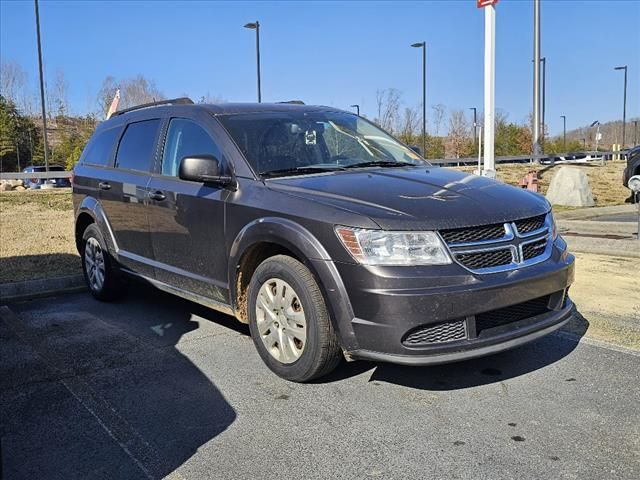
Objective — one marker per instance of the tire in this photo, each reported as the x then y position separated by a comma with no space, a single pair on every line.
103,286
288,286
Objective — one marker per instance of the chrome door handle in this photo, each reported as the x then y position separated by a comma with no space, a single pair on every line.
157,195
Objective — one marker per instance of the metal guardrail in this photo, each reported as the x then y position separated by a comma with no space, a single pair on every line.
23,176
526,158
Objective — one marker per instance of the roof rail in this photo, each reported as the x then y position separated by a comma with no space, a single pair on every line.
172,101
293,102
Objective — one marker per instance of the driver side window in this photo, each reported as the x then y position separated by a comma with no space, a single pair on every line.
184,138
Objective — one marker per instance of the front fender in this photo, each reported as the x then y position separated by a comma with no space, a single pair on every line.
312,253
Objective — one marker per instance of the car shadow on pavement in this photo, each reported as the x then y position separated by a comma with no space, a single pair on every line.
476,372
94,390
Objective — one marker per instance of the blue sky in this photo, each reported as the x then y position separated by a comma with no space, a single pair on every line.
338,53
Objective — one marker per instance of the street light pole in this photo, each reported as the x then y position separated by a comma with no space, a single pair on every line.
544,97
423,45
537,151
489,168
357,107
564,132
44,110
475,125
256,26
624,104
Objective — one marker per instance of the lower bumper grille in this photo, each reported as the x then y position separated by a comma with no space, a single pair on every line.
438,333
514,313
456,330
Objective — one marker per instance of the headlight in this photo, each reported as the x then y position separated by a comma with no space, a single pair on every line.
380,247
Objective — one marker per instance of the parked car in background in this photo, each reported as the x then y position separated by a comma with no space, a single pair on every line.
36,183
325,234
632,168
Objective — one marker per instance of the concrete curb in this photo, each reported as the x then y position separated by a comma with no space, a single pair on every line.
30,289
591,212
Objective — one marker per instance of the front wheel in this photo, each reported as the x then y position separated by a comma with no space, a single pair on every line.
289,322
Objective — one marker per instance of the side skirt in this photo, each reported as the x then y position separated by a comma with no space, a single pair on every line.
193,297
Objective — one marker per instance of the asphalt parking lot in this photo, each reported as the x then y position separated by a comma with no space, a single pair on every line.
155,387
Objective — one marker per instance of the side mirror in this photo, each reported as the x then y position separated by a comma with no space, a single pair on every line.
203,168
416,149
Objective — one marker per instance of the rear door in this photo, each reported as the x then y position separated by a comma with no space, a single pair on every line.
187,218
123,195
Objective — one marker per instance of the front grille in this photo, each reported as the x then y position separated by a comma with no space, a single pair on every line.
514,313
533,249
473,234
530,224
496,247
486,258
438,333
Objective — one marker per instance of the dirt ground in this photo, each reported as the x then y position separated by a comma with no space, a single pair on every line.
607,296
605,181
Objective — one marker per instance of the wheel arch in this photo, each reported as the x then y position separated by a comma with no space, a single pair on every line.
266,237
90,211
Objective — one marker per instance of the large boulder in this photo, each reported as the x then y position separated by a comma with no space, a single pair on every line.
570,187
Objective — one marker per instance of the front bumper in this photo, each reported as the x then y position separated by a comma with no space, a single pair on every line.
390,302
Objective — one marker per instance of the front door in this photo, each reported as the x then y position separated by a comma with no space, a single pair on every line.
187,218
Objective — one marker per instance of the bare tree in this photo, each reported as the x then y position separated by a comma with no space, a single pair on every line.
12,80
439,112
106,93
59,94
459,141
388,101
408,125
133,91
137,90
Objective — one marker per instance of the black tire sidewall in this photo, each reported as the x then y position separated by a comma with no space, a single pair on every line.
109,286
301,368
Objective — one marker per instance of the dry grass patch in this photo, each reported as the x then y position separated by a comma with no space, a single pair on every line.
37,235
606,295
605,181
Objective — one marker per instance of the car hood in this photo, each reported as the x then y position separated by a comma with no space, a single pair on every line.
415,198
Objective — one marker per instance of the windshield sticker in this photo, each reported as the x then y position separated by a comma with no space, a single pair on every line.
310,137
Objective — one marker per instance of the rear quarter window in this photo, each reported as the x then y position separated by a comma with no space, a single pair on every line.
137,146
98,150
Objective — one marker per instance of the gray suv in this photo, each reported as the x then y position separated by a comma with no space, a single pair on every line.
326,235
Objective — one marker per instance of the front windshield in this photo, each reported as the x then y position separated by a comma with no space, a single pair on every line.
296,143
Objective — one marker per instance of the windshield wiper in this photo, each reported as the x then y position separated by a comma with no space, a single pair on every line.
377,163
300,171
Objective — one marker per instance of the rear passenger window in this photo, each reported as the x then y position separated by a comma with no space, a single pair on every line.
99,150
185,138
136,148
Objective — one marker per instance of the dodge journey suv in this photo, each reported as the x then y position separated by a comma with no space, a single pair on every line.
326,235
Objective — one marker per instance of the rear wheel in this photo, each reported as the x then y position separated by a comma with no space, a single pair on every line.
289,321
101,278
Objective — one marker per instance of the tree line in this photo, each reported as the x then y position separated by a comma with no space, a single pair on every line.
450,132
